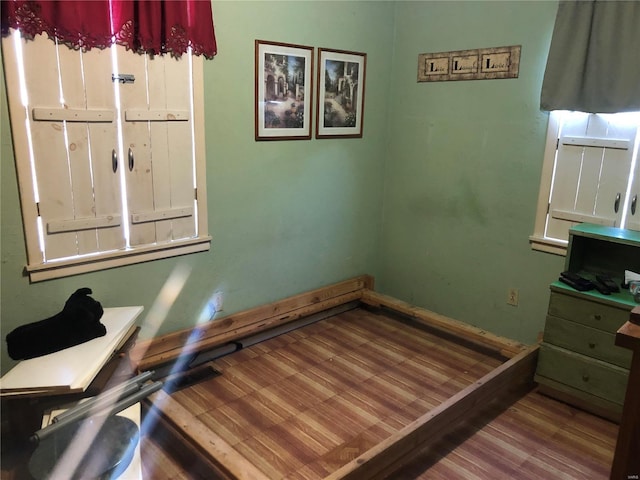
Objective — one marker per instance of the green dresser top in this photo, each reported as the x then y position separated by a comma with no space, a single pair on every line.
620,299
612,234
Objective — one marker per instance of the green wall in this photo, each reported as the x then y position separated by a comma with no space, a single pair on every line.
285,217
463,169
436,200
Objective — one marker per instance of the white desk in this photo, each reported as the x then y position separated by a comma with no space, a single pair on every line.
71,370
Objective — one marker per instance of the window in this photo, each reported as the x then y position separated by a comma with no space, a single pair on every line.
591,173
109,149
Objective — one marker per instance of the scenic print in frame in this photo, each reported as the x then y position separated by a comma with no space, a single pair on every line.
283,90
341,79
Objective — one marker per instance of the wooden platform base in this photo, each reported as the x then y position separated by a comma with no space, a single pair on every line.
350,396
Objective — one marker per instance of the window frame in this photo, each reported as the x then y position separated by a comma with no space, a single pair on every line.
36,267
538,239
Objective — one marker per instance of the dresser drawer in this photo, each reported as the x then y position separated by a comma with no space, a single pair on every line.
583,373
587,312
586,340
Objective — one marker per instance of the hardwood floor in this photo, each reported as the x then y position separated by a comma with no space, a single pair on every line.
303,404
534,438
162,462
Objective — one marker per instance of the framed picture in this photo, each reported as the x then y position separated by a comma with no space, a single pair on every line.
341,79
284,86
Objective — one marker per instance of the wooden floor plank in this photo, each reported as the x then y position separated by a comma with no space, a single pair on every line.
516,452
315,398
304,404
535,437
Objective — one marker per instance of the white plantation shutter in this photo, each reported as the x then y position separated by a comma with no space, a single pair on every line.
633,212
82,140
78,192
157,131
593,167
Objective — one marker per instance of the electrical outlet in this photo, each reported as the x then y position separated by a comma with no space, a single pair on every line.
217,301
512,297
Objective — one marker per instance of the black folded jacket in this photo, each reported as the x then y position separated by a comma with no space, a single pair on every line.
78,322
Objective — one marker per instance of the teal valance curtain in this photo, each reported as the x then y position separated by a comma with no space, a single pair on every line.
594,58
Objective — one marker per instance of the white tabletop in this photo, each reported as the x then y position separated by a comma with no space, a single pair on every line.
72,369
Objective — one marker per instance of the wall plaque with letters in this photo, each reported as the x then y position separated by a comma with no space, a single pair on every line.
478,64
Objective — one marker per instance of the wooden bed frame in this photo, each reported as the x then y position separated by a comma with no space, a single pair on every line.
180,425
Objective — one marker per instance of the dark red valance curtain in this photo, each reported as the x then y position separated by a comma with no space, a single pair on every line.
145,26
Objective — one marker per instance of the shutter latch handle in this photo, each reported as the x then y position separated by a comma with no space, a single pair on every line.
114,160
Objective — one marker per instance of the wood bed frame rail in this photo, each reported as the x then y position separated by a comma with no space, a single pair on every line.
386,457
513,375
506,347
167,348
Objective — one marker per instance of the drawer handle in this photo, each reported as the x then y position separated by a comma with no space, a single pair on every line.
585,378
597,316
592,345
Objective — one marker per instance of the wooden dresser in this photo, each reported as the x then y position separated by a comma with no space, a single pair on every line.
626,462
579,362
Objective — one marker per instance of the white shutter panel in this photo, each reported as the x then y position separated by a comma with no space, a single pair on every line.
633,212
615,169
67,118
49,146
137,144
171,139
181,174
566,178
157,128
64,129
20,116
99,90
77,145
592,165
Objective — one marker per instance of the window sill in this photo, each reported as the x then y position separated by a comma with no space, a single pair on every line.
548,245
75,266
